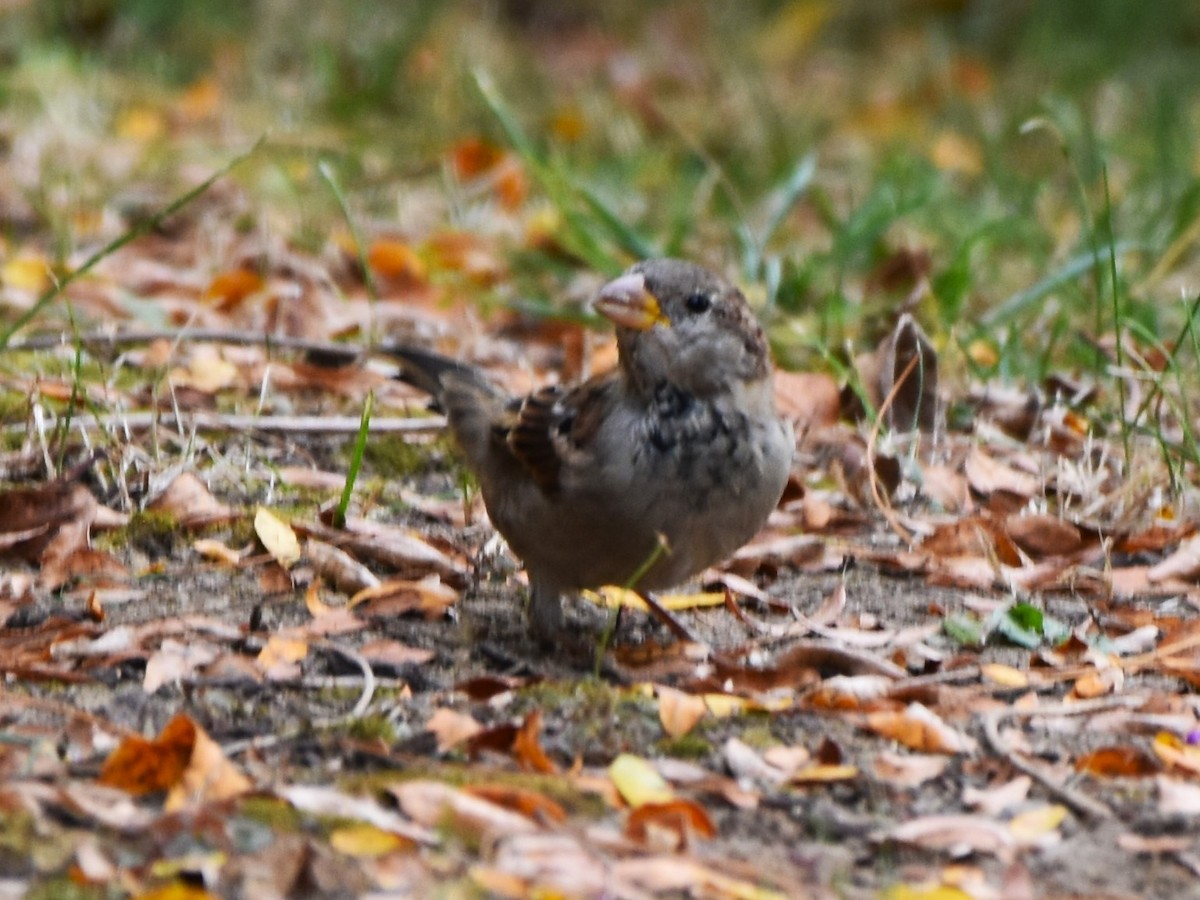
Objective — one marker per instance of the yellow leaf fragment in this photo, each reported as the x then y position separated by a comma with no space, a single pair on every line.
1171,749
638,781
363,841
1031,826
217,551
29,273
1005,676
277,536
611,597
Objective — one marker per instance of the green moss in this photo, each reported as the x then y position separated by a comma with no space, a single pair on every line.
759,737
154,533
373,728
393,456
278,814
687,746
65,889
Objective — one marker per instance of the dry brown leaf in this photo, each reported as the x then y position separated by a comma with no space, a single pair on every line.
217,551
988,475
400,549
280,656
395,655
974,536
430,802
208,778
744,762
1043,535
528,803
956,834
174,661
908,371
908,770
678,711
338,567
1177,798
808,399
190,502
946,487
999,798
451,728
427,596
918,728
1183,564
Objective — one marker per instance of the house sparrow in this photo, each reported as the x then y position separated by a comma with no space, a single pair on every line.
680,443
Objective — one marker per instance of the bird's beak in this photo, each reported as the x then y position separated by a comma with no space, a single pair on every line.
626,302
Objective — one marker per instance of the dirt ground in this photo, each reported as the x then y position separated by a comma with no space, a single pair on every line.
818,840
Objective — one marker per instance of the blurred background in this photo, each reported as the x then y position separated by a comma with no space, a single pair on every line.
831,154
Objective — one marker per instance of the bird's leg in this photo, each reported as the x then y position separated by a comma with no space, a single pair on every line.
545,613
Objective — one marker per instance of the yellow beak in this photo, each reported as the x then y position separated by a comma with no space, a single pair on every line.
625,302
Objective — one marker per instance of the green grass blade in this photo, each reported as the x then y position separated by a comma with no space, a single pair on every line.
117,243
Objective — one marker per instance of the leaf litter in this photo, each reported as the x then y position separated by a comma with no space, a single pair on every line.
973,646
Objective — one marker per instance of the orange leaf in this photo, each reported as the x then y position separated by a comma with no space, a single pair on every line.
1117,762
527,748
395,260
140,766
473,157
919,728
229,288
682,817
526,802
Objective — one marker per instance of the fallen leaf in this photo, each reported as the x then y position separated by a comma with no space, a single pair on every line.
956,834
451,728
638,781
277,537
908,770
999,798
530,804
1183,564
920,729
988,475
142,766
363,841
680,818
1031,827
527,747
678,711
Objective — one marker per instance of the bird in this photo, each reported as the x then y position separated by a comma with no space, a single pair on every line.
642,476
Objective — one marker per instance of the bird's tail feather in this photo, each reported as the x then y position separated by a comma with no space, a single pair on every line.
427,370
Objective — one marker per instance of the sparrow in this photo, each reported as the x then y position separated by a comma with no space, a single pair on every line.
640,477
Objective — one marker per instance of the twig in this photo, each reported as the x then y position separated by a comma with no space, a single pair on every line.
881,503
116,340
664,615
1076,800
368,691
210,421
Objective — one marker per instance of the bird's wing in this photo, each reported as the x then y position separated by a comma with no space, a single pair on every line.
541,434
554,427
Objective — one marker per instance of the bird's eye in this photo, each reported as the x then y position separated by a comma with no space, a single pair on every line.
699,302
